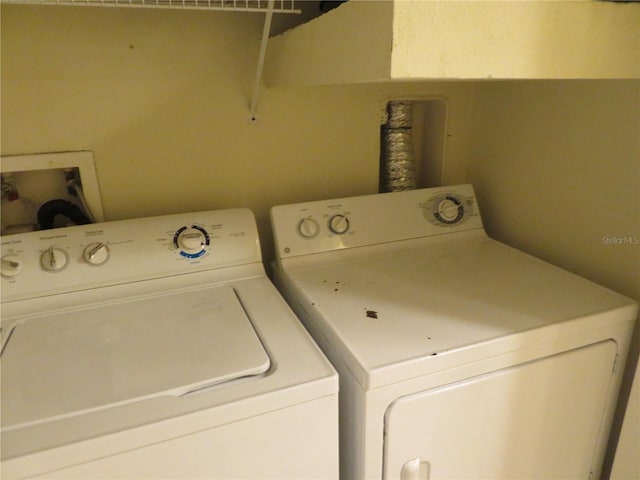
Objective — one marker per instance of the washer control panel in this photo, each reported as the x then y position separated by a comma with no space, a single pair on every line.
88,256
321,226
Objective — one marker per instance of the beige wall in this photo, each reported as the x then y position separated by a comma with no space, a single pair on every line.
557,169
556,166
161,98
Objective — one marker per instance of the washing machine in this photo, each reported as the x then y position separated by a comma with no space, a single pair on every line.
158,348
458,356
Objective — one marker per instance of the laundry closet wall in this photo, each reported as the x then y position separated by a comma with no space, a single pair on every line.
162,99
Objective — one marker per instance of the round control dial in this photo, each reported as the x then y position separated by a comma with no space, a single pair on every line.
54,259
96,253
191,241
11,265
308,227
339,224
448,209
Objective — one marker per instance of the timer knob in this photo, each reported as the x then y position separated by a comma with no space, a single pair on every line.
96,253
192,240
11,265
448,209
308,227
54,259
339,224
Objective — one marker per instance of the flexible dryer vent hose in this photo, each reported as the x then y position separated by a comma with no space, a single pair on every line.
397,164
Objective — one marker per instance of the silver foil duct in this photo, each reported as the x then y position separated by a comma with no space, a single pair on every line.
397,164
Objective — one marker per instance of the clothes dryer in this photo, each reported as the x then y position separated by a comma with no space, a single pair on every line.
158,348
459,357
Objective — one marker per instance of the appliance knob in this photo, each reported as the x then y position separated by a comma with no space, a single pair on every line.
339,224
449,210
54,259
96,253
308,227
192,240
11,266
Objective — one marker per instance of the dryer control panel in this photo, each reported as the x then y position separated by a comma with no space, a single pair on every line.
326,225
110,253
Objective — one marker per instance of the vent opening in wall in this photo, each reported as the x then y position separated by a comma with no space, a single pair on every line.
412,144
49,190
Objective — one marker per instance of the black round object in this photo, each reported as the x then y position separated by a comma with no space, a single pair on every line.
51,209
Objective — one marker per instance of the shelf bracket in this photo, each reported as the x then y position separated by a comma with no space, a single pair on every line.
263,51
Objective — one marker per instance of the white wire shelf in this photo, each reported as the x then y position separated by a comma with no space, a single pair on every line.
280,6
268,7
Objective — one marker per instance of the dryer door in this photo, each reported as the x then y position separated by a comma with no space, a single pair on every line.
541,419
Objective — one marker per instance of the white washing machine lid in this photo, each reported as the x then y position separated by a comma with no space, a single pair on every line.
94,358
385,312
